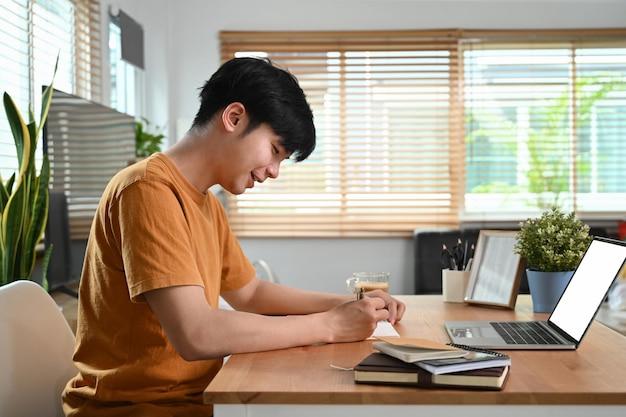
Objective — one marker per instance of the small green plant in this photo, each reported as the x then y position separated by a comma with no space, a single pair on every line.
554,242
24,199
146,143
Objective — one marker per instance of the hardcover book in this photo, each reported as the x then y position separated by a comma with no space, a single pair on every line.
378,368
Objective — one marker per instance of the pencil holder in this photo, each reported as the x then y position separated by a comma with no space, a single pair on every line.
454,284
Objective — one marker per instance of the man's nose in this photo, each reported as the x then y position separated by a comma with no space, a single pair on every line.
272,170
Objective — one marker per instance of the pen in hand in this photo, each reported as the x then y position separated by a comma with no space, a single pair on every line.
359,294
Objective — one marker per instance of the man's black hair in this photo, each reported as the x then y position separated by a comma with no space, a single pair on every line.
270,95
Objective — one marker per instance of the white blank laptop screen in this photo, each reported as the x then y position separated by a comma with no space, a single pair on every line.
588,287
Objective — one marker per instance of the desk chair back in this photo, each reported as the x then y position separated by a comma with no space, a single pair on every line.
36,348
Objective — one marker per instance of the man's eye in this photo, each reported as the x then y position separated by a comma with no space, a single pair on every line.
275,150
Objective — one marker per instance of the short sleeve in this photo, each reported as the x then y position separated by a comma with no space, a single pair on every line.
154,239
237,271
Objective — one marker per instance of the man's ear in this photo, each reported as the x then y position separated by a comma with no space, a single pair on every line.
233,117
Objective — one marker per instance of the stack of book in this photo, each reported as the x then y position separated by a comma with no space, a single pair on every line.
424,363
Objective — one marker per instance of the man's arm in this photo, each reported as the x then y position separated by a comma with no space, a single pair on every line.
264,297
198,331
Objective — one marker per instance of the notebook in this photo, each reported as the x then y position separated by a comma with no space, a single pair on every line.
475,359
413,349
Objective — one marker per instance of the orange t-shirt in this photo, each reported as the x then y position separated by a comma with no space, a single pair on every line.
152,230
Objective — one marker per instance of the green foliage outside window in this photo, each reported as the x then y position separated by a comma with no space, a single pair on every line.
548,173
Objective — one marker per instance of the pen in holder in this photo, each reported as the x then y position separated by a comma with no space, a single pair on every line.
361,282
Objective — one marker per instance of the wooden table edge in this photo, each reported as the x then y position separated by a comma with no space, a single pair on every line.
439,397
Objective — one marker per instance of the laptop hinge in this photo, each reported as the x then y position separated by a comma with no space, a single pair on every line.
556,329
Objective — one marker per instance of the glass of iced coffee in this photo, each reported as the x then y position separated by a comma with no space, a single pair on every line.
362,282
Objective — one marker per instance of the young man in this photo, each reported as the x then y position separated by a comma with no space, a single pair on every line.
150,335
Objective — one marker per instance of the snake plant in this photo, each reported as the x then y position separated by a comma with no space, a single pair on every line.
24,198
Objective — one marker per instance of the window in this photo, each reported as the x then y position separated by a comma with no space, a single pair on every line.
34,33
127,81
428,128
543,123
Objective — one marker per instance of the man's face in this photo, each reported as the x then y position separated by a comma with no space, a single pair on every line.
252,158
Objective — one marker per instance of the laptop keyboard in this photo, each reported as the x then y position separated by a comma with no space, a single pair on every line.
524,333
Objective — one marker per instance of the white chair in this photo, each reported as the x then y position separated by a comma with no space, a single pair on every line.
265,271
36,348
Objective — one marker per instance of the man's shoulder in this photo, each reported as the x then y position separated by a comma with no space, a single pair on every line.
147,171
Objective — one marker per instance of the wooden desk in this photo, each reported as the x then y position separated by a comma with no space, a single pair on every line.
300,381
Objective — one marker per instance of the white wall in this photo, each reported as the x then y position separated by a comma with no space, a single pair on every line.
182,51
324,264
196,24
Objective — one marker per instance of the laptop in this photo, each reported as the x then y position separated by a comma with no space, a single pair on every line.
569,320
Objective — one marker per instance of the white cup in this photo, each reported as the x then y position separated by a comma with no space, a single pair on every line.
454,285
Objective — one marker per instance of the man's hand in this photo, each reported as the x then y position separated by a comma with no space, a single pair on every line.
395,307
355,320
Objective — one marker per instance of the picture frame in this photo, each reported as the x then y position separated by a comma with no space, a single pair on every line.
496,270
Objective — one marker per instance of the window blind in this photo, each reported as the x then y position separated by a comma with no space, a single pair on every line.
389,135
34,33
15,74
26,53
87,144
600,107
82,158
52,35
88,54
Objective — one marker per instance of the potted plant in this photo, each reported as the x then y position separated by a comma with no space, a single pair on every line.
146,143
552,246
24,198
